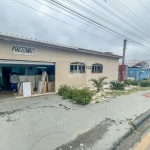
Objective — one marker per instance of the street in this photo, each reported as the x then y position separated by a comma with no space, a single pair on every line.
50,123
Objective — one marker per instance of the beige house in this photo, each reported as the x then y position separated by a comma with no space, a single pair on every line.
66,65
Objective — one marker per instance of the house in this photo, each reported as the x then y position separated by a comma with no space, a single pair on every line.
138,69
64,64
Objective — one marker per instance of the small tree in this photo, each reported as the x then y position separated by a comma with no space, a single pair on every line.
98,83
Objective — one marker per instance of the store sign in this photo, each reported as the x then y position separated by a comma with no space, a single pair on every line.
23,50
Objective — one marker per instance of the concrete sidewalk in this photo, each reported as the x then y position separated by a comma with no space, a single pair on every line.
50,123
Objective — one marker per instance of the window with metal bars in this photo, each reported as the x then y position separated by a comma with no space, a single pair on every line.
97,68
77,67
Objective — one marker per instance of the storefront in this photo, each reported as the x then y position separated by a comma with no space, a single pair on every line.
26,70
63,64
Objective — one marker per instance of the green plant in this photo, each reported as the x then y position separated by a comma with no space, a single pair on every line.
117,85
128,82
98,83
65,91
144,83
131,82
136,83
80,96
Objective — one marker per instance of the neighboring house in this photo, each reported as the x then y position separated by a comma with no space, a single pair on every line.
138,70
65,65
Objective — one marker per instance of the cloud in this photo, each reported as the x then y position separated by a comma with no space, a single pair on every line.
20,20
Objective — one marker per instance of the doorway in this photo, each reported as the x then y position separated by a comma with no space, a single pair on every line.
6,72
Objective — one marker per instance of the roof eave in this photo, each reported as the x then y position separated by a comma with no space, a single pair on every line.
57,46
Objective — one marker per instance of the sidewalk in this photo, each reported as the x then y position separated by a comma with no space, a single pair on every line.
51,123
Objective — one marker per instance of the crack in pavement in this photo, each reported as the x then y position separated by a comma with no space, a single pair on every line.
65,107
22,109
10,120
46,136
11,112
88,139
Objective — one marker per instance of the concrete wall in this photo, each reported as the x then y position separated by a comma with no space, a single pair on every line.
63,75
110,68
63,59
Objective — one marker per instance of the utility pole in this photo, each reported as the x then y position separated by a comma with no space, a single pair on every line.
124,51
123,60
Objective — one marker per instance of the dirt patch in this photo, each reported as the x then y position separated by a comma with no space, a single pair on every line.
88,139
147,95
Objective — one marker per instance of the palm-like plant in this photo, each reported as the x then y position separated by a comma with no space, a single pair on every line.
98,83
117,85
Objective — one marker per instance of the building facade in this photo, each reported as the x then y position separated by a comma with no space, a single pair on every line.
138,69
65,65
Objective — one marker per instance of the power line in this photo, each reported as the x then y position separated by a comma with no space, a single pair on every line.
80,7
125,14
123,11
106,31
81,22
144,6
103,30
78,21
101,25
131,12
61,21
84,9
112,13
56,19
94,8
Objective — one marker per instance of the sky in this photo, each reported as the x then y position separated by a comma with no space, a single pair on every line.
18,19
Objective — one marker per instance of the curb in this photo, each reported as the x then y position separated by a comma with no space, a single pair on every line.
121,139
141,119
22,98
136,124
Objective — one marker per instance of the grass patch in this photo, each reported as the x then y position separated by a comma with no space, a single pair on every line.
115,93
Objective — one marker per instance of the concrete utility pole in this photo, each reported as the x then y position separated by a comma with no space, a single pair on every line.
124,51
123,60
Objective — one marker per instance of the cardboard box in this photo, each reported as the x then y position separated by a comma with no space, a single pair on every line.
51,86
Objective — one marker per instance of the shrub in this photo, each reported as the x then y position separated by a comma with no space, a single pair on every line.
65,91
131,82
98,83
136,83
80,96
145,83
116,85
128,82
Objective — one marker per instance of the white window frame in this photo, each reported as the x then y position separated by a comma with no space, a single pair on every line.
76,70
96,70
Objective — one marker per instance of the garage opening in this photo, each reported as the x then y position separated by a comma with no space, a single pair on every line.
27,71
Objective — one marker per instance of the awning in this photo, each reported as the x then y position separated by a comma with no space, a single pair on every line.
22,62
